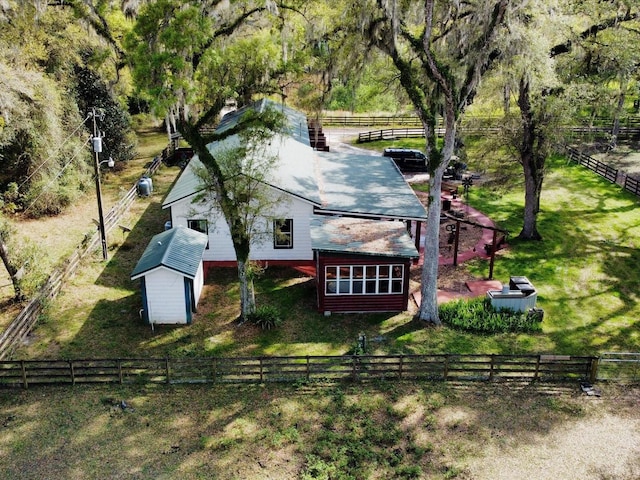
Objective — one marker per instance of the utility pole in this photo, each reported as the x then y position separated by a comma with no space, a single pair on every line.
97,148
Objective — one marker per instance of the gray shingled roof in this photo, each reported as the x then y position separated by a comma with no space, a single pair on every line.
178,249
361,236
366,185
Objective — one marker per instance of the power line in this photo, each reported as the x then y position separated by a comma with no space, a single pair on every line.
55,152
44,189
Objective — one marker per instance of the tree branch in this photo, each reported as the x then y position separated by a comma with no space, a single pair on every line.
592,31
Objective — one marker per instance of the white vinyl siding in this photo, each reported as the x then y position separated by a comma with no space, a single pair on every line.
198,284
221,247
166,296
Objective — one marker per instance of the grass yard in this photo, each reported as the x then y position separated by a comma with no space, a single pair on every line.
60,235
586,269
333,431
585,272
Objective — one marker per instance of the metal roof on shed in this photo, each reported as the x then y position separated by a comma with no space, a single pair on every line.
361,236
179,249
367,185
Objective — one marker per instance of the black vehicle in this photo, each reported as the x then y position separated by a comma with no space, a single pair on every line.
407,159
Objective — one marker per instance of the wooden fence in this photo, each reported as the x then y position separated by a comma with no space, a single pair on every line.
370,120
543,368
632,185
627,182
390,134
20,327
629,125
619,367
592,164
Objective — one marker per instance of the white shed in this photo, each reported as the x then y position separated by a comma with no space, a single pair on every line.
171,276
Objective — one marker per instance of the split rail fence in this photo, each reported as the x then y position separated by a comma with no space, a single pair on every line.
592,164
20,327
627,182
257,370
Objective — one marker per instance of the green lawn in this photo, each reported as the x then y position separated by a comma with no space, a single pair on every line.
585,270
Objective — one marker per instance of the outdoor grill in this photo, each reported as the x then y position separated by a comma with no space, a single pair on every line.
520,295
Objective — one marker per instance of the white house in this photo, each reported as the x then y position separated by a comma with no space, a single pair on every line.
310,184
292,180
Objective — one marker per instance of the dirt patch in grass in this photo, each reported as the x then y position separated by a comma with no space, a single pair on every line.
389,430
625,157
450,278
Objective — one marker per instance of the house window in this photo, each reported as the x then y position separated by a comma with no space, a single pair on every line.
201,226
283,233
364,280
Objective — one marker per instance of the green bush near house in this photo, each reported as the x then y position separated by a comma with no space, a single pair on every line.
266,317
477,315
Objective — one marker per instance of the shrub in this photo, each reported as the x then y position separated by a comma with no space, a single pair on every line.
478,315
266,317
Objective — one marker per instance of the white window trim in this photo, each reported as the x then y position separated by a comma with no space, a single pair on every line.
206,223
339,281
289,245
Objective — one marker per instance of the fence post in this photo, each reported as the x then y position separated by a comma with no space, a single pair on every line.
535,376
119,364
308,368
401,364
491,367
354,370
71,371
593,369
25,385
167,370
446,367
261,371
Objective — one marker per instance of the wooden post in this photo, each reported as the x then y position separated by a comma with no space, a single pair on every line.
261,371
593,369
308,368
535,376
354,370
120,377
491,367
493,254
25,385
446,367
167,370
73,377
455,244
401,363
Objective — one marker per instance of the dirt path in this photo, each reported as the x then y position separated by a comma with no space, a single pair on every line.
604,444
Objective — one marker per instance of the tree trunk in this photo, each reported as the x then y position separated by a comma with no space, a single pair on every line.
429,279
247,293
532,188
241,243
532,158
616,118
12,270
437,165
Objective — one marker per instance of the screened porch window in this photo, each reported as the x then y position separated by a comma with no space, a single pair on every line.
364,279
